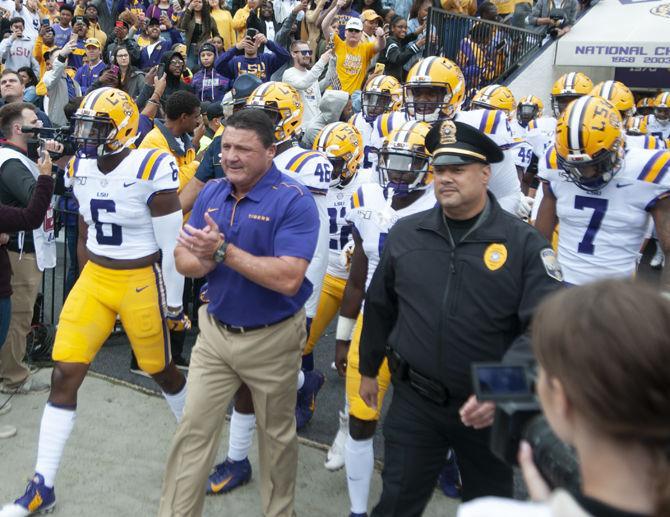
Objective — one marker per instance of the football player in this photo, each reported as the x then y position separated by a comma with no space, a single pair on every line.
343,145
602,195
129,222
541,131
645,106
637,135
380,95
403,189
435,90
283,105
658,122
528,109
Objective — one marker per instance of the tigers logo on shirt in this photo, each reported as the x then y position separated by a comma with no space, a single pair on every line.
495,256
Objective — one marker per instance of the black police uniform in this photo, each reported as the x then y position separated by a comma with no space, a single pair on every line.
440,299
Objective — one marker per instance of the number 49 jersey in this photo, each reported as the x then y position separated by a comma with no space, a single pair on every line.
115,205
601,232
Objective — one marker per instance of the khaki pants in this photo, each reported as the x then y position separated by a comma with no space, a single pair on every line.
26,281
267,361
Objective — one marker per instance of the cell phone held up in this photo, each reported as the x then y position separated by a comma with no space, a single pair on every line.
161,71
252,33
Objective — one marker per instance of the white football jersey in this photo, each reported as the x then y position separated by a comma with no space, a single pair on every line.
312,169
382,127
115,205
523,151
540,134
372,216
339,205
504,182
600,233
655,128
644,142
365,128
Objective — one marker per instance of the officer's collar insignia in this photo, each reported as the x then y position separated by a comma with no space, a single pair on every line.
447,133
495,256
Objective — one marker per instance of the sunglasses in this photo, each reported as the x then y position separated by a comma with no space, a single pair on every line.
306,52
353,30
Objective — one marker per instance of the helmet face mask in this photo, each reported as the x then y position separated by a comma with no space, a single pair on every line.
91,131
560,102
403,164
374,104
282,103
526,112
427,102
662,115
339,165
592,175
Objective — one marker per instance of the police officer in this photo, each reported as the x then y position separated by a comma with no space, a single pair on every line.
456,284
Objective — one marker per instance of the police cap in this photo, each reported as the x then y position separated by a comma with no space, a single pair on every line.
455,143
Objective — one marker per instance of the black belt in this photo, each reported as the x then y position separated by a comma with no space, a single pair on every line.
428,388
235,329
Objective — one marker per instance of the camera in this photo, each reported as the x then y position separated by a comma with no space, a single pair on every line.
42,134
519,417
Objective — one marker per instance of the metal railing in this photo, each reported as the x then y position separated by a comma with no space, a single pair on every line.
487,52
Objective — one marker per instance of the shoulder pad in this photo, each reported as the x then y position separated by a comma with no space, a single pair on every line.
656,167
302,158
490,121
150,163
551,158
71,167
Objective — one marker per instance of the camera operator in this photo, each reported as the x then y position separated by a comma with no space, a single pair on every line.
29,253
614,412
557,16
455,284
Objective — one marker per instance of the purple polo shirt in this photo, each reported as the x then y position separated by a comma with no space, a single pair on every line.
278,217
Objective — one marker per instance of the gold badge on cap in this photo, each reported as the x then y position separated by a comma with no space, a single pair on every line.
495,256
447,132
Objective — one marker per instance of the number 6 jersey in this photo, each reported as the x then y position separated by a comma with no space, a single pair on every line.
601,232
115,205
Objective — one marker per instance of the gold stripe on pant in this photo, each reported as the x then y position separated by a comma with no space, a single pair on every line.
267,361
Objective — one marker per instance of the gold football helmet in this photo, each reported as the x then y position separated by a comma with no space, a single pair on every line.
434,89
529,108
403,159
589,142
282,103
618,95
645,106
567,88
636,125
106,122
342,143
662,108
494,96
380,95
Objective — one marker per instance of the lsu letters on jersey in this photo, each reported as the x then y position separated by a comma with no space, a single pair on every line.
504,182
312,169
339,206
115,205
382,127
601,232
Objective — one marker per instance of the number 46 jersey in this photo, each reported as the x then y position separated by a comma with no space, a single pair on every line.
115,205
601,232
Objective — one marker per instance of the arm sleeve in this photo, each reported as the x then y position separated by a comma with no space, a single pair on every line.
302,81
18,180
540,277
166,231
5,45
240,18
298,232
222,62
381,312
397,56
13,219
278,57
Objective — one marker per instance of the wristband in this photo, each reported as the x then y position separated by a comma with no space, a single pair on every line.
345,328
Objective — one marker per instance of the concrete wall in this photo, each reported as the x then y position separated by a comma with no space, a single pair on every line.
538,77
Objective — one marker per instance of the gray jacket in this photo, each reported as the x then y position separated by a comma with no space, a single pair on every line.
543,7
332,104
56,85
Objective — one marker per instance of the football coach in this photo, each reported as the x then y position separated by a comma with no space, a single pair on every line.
252,235
456,284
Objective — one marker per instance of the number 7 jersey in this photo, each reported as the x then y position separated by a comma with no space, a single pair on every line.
601,232
115,205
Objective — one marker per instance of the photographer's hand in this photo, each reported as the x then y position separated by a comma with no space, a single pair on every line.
538,490
477,414
53,146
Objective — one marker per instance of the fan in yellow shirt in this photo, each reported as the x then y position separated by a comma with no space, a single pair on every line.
353,54
224,23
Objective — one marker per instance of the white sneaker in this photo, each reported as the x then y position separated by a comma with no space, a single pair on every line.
335,455
6,408
7,431
658,260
